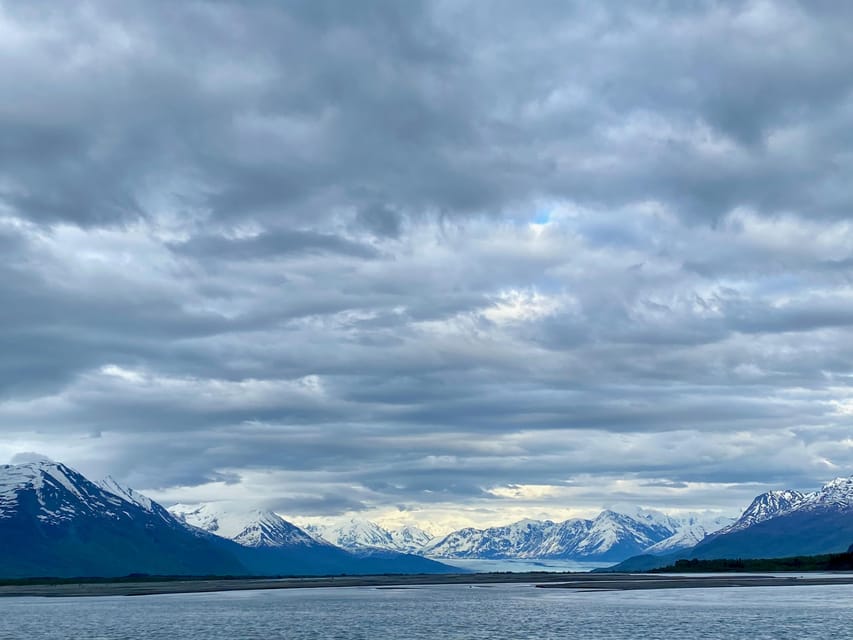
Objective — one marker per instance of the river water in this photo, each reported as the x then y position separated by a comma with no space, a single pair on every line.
494,612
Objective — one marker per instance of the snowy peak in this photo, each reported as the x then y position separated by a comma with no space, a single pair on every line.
766,506
247,527
410,539
614,534
355,533
521,539
834,495
52,492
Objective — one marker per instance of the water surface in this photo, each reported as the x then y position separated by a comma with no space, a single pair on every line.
505,611
554,566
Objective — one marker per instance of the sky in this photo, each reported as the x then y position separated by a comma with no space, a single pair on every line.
448,263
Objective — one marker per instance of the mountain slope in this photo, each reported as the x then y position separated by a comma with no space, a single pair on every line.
776,524
765,507
791,524
53,521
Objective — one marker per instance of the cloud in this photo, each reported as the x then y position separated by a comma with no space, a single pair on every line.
338,257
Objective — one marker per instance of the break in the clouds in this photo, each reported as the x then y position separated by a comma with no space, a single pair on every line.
444,261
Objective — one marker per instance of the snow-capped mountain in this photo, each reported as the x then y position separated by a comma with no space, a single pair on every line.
410,539
776,524
563,538
614,534
835,495
54,521
269,544
60,494
764,507
522,539
788,523
246,527
357,534
693,528
111,485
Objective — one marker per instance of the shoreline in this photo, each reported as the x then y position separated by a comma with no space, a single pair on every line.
582,582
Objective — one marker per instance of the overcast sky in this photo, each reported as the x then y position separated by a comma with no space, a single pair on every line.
446,262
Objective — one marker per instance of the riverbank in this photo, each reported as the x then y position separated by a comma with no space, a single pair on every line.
633,582
579,582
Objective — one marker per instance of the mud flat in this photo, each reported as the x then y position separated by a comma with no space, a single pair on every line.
577,582
632,582
153,586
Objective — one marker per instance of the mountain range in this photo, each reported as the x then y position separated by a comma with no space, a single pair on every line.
55,522
775,524
613,535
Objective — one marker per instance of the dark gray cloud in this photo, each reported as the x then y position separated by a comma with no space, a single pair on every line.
438,257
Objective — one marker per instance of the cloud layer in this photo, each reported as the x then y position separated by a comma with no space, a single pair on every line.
434,261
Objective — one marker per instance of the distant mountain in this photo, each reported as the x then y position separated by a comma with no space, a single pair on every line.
523,539
272,545
615,536
354,533
692,529
247,527
55,522
410,539
357,534
612,536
